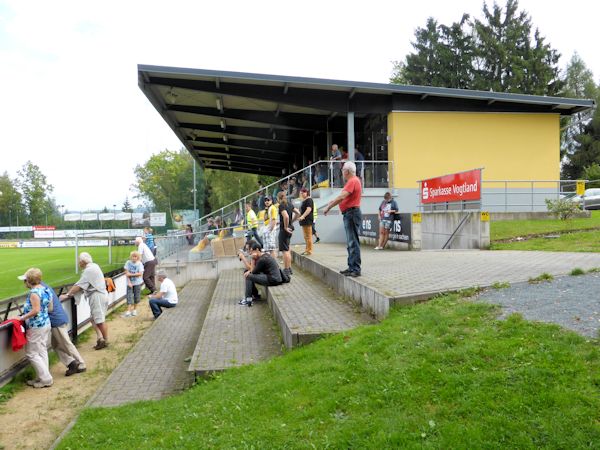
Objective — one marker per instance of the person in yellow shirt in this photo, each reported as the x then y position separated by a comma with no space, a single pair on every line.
252,222
271,230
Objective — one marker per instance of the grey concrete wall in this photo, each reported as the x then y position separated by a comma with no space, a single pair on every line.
437,227
500,216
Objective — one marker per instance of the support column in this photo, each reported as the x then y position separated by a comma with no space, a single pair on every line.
350,136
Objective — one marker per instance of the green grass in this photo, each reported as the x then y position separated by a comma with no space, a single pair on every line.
512,228
584,241
541,278
501,285
577,271
57,265
441,374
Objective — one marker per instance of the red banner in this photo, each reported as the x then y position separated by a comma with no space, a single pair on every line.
44,228
452,188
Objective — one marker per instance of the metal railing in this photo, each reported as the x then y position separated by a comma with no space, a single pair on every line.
319,175
511,195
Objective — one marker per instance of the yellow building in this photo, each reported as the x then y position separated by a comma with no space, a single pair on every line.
274,125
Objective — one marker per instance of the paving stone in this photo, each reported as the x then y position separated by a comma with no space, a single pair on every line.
155,368
413,273
234,335
306,308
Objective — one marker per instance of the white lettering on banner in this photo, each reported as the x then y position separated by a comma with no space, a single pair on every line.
366,223
457,189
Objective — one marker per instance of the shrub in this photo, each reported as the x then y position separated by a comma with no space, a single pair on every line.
563,208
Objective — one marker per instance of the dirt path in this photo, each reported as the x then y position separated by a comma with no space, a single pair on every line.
34,418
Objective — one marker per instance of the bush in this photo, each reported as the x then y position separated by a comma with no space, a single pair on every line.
563,208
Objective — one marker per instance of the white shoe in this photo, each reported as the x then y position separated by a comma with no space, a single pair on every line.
377,248
127,314
134,312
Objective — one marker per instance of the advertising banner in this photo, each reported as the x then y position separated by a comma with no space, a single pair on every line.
140,220
106,216
400,231
44,227
72,217
15,229
123,216
158,219
89,216
452,188
9,244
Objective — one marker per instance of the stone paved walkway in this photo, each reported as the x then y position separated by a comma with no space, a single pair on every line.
403,273
306,309
155,368
234,335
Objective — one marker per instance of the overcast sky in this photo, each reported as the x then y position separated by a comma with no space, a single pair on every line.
68,69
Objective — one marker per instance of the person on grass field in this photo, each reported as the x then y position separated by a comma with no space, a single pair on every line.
349,201
134,270
263,270
94,287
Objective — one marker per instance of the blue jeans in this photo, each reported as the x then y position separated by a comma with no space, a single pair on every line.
352,218
157,305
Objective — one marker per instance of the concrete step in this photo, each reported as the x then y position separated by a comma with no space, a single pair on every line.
307,309
233,335
363,295
156,367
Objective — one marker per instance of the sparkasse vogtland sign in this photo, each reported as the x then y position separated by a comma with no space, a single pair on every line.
455,187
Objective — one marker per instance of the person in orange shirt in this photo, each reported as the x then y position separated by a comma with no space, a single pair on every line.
349,201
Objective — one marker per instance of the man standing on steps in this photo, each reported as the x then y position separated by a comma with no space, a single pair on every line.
149,262
306,219
349,201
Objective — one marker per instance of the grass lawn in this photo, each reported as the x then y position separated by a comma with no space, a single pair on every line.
442,374
513,228
582,241
57,265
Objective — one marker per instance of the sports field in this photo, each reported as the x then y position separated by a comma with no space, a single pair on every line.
56,264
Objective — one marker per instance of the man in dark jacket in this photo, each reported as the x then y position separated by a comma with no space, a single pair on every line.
264,270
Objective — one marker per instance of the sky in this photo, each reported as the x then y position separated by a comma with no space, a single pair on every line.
68,69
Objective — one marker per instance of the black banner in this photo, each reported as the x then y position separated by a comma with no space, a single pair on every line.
400,231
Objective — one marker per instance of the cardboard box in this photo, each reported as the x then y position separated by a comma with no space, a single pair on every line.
217,248
229,246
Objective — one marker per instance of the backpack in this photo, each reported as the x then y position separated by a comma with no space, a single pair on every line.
110,285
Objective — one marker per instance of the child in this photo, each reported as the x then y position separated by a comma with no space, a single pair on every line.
149,239
134,270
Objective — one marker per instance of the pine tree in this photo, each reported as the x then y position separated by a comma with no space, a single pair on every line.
126,205
587,149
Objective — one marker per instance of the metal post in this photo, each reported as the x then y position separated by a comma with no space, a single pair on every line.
76,253
110,246
505,196
194,177
74,320
532,196
350,125
310,180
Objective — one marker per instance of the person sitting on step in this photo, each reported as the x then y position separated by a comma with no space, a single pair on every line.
264,270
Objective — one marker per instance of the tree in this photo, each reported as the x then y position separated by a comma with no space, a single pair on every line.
10,200
166,181
579,83
126,205
35,191
587,150
227,187
508,60
499,52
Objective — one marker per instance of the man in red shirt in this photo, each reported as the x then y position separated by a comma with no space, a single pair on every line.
349,201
